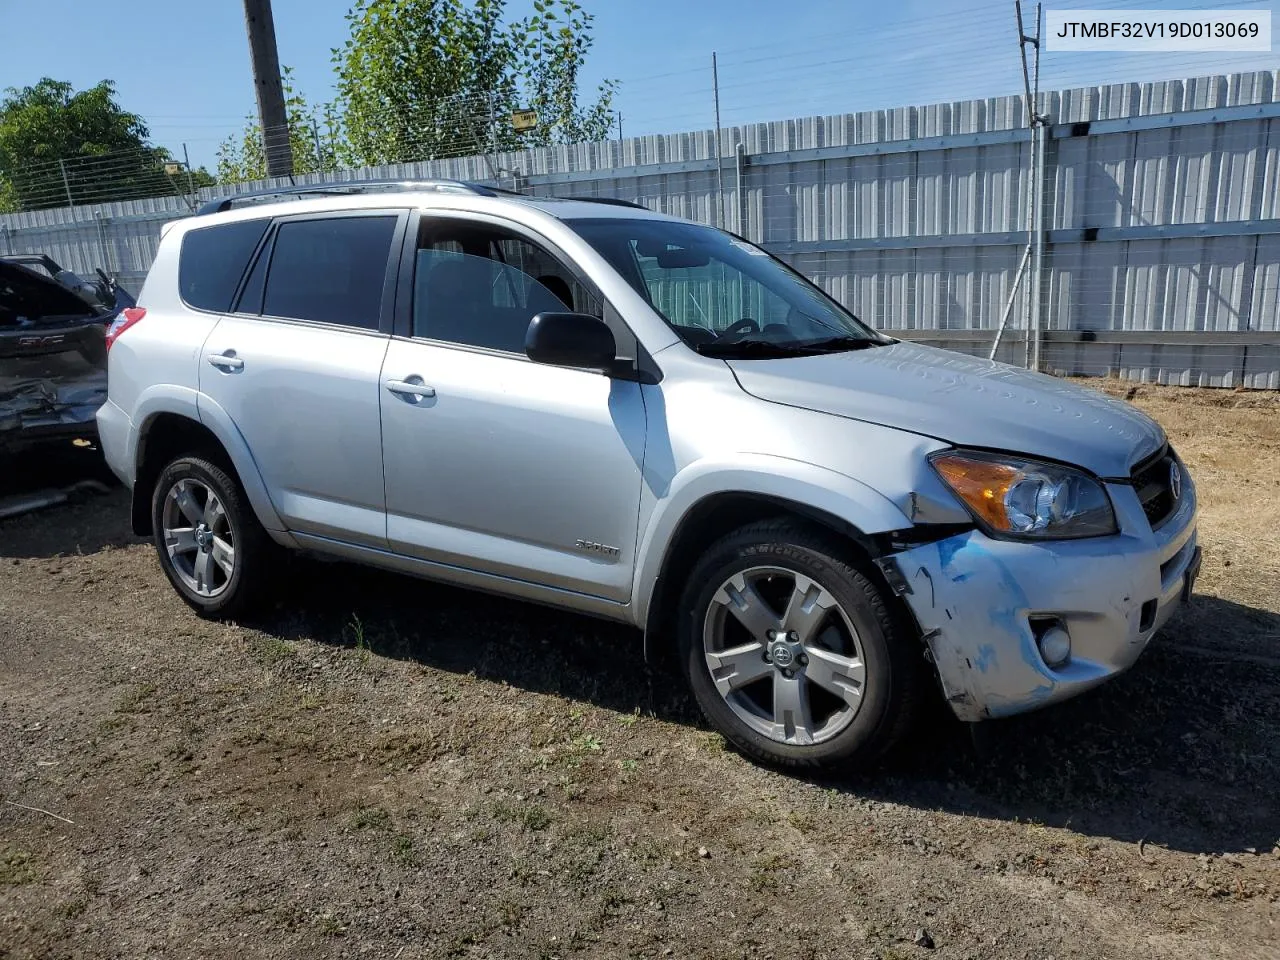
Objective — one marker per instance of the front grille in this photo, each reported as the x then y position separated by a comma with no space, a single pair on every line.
1153,481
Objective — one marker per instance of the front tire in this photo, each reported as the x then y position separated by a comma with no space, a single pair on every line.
792,652
208,540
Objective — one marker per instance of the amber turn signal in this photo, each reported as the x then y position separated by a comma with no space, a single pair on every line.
982,484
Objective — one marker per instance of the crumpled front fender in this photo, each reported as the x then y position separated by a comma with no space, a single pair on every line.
977,600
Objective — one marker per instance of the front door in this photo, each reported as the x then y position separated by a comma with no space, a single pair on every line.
493,462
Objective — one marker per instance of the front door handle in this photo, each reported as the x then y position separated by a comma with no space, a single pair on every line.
412,387
227,362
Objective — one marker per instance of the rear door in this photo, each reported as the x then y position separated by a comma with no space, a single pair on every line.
53,374
296,367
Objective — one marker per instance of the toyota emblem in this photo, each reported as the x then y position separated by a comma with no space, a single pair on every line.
1175,479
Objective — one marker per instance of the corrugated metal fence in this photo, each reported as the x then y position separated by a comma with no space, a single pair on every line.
1162,218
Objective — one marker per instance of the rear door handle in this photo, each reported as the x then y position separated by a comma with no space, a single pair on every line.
410,388
227,362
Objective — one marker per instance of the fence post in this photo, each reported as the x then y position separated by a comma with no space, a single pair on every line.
740,224
104,242
715,89
66,185
1037,324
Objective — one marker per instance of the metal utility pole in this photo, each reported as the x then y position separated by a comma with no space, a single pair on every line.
186,162
276,145
715,87
1040,143
1033,255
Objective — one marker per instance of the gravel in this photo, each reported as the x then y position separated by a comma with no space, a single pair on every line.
482,778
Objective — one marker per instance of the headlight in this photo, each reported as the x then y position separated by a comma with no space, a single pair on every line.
1027,498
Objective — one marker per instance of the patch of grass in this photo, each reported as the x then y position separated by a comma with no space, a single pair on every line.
310,701
531,816
17,867
112,724
712,743
572,791
270,650
649,851
402,748
585,846
134,699
510,913
371,818
523,872
355,628
73,908
803,822
330,925
402,850
762,878
611,904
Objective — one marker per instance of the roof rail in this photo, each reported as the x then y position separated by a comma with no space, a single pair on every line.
612,201
345,187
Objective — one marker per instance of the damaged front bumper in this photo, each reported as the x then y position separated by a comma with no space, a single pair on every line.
981,604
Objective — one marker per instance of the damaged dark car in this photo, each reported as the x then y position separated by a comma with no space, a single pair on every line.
53,373
102,292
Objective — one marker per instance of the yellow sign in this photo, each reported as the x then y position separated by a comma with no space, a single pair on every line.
173,169
523,120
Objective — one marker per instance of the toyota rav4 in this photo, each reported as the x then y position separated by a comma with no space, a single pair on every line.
598,407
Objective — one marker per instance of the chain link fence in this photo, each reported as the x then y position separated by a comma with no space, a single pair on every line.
1134,233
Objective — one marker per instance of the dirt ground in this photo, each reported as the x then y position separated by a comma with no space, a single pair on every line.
385,768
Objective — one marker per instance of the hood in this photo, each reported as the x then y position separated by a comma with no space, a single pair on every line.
962,400
27,297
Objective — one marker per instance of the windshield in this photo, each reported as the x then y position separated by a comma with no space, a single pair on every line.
721,295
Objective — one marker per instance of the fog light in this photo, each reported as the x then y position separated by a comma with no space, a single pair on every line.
1055,646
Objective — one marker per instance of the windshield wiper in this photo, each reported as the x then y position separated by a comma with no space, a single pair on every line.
837,344
755,349
750,349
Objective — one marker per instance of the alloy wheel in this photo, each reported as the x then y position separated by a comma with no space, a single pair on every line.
784,655
198,537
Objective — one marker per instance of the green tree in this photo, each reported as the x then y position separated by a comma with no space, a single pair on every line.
428,79
55,141
242,157
551,51
418,78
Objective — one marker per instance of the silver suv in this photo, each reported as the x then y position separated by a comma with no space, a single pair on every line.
598,407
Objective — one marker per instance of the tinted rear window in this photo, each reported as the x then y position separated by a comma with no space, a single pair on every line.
213,260
330,271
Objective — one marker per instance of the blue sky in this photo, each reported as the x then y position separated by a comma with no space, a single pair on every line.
188,75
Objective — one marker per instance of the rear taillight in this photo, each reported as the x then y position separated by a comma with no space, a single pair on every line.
123,321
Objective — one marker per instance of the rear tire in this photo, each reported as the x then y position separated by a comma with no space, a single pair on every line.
793,653
208,540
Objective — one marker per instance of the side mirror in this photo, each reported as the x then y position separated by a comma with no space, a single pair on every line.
571,340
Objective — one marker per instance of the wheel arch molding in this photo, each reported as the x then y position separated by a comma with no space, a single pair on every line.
173,422
701,508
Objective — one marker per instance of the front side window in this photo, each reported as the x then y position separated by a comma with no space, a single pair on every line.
721,295
330,270
480,285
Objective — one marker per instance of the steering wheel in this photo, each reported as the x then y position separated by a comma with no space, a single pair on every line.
738,330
